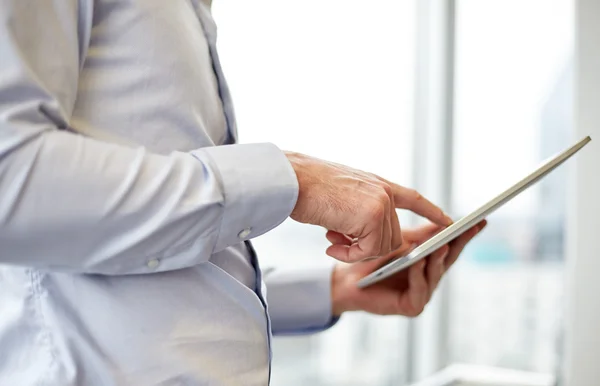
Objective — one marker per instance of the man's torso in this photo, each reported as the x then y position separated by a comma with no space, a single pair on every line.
147,79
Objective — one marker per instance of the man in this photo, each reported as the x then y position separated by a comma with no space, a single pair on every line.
124,229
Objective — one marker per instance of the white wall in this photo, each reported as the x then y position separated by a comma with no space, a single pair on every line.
583,254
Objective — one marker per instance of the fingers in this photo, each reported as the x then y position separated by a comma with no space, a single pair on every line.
421,234
380,233
418,290
459,244
356,251
338,238
397,237
436,268
369,265
370,238
357,204
391,235
425,276
412,200
411,237
386,231
416,285
396,234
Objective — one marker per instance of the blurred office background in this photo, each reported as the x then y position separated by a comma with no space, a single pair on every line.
456,98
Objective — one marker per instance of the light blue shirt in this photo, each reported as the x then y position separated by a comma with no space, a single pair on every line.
123,227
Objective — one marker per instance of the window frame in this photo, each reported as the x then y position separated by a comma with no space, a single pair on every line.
433,153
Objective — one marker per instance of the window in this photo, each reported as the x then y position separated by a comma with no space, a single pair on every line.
512,110
337,79
333,79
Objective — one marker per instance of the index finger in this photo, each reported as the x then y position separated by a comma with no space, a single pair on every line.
412,200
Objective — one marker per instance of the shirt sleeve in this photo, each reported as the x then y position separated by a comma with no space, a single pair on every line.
73,203
299,300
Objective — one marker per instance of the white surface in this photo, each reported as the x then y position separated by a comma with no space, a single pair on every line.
470,375
583,313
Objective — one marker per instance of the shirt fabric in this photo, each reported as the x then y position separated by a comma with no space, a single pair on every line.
124,225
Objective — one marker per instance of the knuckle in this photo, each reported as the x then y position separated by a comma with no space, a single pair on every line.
383,196
387,189
384,200
416,195
377,210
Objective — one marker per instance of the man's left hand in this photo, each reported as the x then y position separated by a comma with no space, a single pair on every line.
405,293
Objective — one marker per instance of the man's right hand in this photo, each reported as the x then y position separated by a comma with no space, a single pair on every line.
360,206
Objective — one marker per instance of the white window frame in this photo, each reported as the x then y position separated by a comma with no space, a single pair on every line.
432,174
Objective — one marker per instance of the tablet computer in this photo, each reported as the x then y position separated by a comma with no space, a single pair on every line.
465,223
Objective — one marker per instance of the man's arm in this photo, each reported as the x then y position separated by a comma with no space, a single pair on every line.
77,204
299,300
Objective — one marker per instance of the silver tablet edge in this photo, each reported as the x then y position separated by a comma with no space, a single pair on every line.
470,220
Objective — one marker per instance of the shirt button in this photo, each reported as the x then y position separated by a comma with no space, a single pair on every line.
245,233
153,263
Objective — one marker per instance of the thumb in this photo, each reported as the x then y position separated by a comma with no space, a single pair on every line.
373,264
421,234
